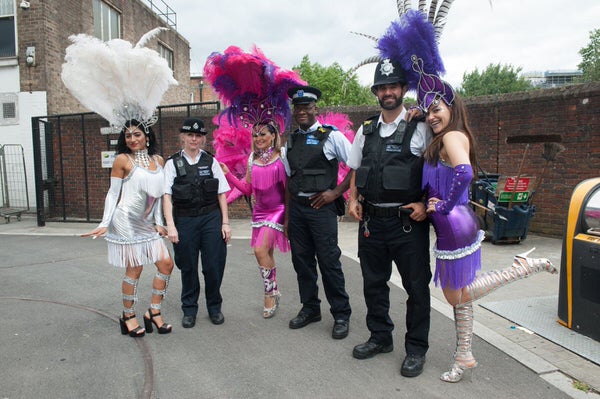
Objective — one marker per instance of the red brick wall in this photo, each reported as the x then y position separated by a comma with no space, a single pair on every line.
571,112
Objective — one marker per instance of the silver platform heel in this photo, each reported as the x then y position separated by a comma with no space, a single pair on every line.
464,362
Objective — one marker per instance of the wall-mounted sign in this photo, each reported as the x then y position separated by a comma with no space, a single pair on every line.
109,130
108,157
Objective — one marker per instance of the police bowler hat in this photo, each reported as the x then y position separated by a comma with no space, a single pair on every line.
193,125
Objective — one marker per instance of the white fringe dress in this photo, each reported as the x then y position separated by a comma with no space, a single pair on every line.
131,236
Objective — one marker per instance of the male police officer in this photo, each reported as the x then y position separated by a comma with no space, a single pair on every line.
386,197
195,210
313,152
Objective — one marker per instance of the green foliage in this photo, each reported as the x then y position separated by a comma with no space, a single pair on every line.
590,64
330,80
582,386
495,79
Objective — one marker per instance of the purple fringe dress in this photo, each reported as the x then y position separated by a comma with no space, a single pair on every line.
268,187
458,246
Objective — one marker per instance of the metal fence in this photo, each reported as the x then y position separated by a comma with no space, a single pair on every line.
70,178
14,196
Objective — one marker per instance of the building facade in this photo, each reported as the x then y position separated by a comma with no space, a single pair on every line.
33,38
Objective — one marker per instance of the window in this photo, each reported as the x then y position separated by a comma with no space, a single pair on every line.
166,54
7,28
107,21
8,109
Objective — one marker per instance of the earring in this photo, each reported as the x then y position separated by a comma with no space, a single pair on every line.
147,144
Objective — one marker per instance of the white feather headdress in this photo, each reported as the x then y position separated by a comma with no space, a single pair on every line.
117,81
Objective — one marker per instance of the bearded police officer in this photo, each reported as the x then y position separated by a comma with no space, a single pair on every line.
386,197
313,152
195,210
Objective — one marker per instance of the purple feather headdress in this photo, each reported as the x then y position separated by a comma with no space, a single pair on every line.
252,87
430,87
412,35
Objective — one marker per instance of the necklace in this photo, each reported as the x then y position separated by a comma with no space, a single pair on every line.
142,158
265,155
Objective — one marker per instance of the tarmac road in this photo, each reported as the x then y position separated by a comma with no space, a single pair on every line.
60,338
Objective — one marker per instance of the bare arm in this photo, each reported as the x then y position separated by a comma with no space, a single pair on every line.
169,219
354,206
225,228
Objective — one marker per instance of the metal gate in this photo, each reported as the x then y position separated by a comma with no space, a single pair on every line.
70,179
14,196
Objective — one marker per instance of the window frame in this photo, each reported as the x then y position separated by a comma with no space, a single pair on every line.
8,13
166,53
107,21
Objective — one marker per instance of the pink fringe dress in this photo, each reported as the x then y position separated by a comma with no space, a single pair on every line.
268,188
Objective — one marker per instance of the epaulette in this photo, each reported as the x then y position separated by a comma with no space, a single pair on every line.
323,131
370,126
332,127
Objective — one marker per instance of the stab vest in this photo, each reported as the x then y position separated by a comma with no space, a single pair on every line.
311,171
389,171
194,186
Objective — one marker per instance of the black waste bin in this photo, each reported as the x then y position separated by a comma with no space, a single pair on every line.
501,223
579,290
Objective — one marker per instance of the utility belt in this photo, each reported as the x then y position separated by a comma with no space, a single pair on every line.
390,211
301,199
194,211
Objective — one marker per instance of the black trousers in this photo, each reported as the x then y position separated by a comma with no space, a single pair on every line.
313,235
389,241
200,235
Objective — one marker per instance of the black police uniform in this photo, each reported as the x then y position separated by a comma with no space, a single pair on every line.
390,173
313,232
198,220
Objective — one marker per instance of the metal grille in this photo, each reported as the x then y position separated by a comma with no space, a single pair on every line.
70,178
13,181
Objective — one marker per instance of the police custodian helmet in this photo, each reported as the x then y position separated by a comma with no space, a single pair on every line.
386,72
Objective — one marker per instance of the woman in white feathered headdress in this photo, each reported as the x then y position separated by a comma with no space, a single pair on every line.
124,84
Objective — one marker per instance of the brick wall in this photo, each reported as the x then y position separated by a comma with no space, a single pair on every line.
47,26
571,112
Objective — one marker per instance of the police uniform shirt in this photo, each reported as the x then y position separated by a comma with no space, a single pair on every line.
171,173
337,147
419,142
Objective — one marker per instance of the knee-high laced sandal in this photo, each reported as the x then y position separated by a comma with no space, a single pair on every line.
164,328
271,292
521,268
483,284
129,312
464,362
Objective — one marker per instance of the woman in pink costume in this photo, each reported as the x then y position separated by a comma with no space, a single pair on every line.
266,179
447,174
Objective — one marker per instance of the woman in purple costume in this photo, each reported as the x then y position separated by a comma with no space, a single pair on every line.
266,179
447,174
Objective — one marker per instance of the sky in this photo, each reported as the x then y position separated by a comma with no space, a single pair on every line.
536,35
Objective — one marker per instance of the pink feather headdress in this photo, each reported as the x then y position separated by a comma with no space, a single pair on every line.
233,146
343,123
251,86
253,90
